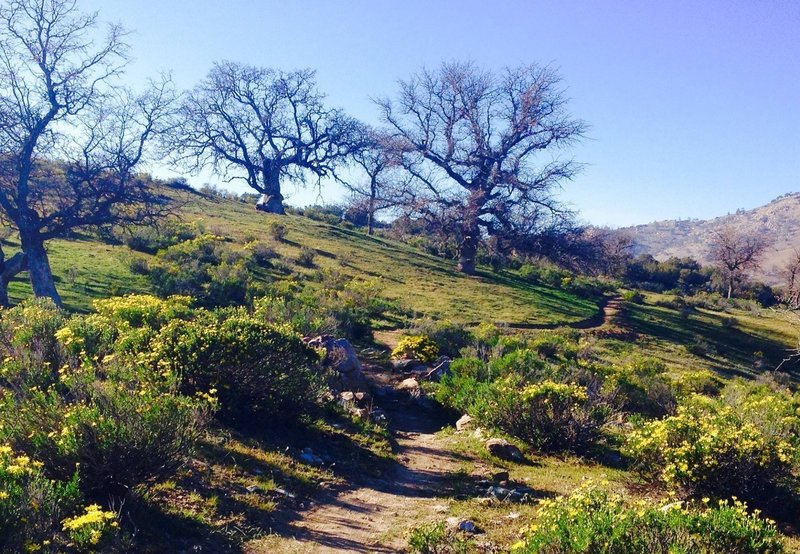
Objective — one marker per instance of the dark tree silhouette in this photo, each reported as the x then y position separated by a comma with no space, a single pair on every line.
472,140
736,253
70,141
263,126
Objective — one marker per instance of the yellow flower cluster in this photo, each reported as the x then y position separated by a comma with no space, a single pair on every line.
88,528
551,389
416,347
704,436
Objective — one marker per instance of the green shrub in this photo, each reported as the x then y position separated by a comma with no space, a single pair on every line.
31,355
556,345
550,416
256,368
277,231
341,307
709,448
593,521
416,347
91,529
633,296
119,434
524,362
306,256
32,506
643,387
450,337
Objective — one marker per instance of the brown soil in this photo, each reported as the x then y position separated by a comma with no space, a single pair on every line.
363,516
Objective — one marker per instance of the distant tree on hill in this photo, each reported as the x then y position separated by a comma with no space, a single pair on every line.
71,140
471,140
736,253
792,275
379,185
263,126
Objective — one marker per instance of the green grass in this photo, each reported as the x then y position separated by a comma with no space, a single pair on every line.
703,340
86,269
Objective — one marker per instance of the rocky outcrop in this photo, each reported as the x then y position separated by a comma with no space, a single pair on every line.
341,358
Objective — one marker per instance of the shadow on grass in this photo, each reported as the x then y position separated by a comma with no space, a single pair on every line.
731,350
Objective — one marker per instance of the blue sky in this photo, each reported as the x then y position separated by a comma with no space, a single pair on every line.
694,107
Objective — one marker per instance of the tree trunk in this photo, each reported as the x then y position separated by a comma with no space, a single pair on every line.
371,216
467,251
8,270
272,199
39,270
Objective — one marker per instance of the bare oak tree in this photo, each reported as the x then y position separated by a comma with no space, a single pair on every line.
473,140
736,253
70,141
381,185
263,126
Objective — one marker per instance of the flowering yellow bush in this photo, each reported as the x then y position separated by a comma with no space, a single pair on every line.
30,503
596,521
89,529
416,347
709,447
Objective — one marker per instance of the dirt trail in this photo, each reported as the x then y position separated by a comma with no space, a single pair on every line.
368,514
362,516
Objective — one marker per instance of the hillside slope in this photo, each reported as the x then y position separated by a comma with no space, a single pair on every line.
86,268
778,222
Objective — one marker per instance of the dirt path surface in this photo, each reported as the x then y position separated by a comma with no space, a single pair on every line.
363,516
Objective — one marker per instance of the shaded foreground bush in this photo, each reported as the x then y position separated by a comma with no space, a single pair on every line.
94,406
591,520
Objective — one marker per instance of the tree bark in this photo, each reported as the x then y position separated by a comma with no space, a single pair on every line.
39,271
371,216
467,251
8,270
272,199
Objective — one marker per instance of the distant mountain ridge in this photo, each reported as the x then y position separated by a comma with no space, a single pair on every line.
778,222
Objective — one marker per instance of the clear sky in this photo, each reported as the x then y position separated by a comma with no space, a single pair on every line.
694,106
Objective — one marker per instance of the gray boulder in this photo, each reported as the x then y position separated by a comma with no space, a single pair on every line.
504,450
341,357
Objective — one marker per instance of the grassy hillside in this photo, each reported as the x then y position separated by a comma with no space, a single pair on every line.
86,269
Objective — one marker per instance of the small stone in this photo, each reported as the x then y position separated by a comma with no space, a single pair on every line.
463,423
409,384
253,488
504,450
347,396
307,456
467,526
441,509
478,433
500,477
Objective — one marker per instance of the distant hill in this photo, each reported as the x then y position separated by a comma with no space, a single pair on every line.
778,222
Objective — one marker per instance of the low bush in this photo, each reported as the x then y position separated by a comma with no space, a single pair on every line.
591,520
117,435
450,337
306,257
710,448
416,347
256,368
550,416
277,231
32,506
31,354
641,386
